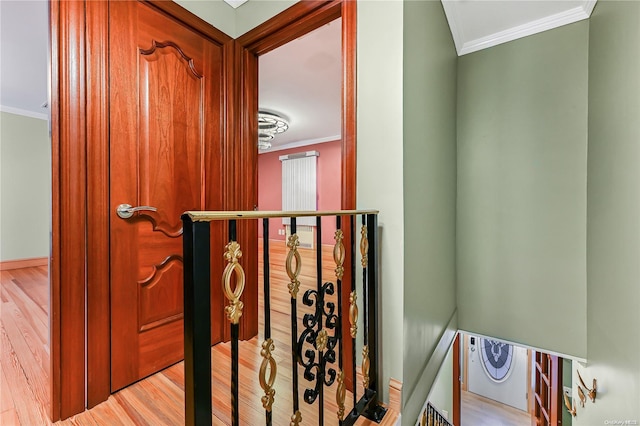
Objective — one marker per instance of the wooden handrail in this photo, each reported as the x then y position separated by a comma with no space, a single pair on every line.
208,216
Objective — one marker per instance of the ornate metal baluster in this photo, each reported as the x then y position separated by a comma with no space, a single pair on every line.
315,333
197,322
352,303
321,338
267,346
233,310
364,249
338,258
294,285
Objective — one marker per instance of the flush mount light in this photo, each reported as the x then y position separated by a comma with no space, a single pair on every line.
269,125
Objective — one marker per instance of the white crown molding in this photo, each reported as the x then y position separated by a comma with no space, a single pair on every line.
298,144
451,12
464,47
24,112
588,6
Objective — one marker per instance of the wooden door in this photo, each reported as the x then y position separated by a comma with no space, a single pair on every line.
166,140
547,390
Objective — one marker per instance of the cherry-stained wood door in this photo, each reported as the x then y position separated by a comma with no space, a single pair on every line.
166,139
547,390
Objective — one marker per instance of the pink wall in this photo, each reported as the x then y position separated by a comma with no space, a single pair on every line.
329,190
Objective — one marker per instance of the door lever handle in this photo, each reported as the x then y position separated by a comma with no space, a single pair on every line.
125,211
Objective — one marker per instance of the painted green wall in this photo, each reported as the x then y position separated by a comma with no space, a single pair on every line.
613,254
25,187
429,185
522,190
441,394
380,162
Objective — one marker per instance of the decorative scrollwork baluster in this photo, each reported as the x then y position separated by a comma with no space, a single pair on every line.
319,340
293,271
267,383
353,314
234,309
339,254
365,367
296,418
341,393
364,246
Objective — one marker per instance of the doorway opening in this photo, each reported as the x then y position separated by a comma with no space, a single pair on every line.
25,212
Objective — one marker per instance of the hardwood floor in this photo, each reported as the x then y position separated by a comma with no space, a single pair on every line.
479,411
158,399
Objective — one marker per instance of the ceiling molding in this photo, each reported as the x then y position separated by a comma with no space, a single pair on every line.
24,112
451,12
298,144
464,46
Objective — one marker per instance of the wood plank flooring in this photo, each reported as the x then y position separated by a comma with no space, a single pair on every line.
480,411
158,399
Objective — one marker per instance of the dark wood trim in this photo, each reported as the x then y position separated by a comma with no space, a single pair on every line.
98,309
284,27
69,214
349,104
348,172
54,268
292,23
457,394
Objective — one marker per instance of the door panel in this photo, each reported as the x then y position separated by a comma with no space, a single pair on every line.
547,390
165,152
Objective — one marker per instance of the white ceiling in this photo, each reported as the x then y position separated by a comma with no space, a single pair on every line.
24,46
300,80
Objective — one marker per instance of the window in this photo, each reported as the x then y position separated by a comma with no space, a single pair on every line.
299,185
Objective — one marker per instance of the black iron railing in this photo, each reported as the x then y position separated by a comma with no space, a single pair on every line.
317,348
432,417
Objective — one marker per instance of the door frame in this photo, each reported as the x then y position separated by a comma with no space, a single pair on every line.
296,21
79,317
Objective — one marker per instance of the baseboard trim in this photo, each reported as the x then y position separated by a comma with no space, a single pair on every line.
395,395
6,265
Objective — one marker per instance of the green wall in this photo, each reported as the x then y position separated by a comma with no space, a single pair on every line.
25,187
441,394
613,254
380,163
522,190
429,185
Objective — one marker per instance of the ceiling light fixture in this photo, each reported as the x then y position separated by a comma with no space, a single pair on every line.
269,125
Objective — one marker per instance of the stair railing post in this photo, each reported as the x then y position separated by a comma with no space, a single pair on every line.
374,411
197,322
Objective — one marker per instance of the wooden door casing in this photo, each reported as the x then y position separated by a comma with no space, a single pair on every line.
292,23
547,390
165,151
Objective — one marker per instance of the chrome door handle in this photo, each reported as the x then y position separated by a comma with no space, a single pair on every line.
125,211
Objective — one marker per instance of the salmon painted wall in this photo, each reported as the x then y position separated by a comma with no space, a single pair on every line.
270,185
